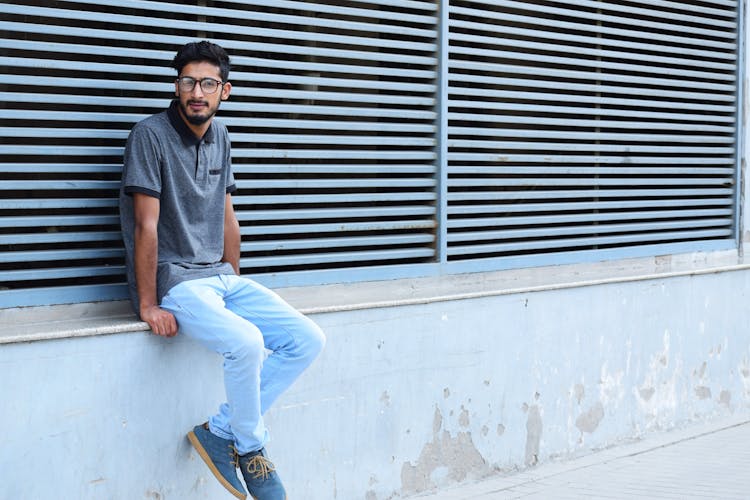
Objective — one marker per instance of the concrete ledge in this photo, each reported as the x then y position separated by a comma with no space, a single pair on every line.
83,320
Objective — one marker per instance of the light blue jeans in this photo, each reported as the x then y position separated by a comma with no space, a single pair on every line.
243,321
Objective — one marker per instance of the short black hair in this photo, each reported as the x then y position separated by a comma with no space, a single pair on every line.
202,51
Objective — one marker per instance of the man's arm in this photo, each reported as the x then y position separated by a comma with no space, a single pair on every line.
231,236
146,215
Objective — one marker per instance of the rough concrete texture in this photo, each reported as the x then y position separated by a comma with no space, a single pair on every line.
404,400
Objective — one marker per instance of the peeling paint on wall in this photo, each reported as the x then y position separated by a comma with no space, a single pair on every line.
446,458
646,393
703,392
579,392
725,398
533,433
589,421
744,371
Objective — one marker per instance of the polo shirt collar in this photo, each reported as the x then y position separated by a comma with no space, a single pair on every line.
187,135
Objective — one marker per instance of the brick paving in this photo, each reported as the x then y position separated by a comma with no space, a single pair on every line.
705,461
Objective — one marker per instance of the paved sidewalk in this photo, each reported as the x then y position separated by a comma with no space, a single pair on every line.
706,461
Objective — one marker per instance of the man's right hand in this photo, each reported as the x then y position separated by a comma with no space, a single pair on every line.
161,322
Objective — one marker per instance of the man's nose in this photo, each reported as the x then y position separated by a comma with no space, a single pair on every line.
197,89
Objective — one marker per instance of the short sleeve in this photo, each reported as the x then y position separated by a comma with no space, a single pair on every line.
142,161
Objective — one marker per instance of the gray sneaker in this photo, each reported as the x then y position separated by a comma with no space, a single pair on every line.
221,457
260,476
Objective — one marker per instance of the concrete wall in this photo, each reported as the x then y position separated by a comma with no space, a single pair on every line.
403,400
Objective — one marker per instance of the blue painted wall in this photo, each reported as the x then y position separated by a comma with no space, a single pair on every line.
403,400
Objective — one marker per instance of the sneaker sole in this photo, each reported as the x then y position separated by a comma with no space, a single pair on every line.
204,455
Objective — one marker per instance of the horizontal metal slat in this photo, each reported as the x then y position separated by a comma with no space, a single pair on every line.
554,232
462,182
560,97
455,224
70,116
590,136
354,183
556,158
240,78
639,23
588,170
251,15
338,227
58,220
649,63
596,87
577,205
229,44
336,213
560,147
330,243
61,255
59,237
120,102
155,55
692,7
329,140
589,193
594,111
586,242
555,73
231,121
679,18
60,167
64,133
596,35
323,154
78,66
336,97
329,199
61,150
388,168
61,184
344,258
287,4
172,23
45,203
597,124
60,273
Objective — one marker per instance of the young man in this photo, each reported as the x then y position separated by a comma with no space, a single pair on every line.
182,243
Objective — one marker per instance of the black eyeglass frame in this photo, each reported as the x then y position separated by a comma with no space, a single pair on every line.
182,79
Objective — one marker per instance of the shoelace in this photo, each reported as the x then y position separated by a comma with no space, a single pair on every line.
235,456
260,467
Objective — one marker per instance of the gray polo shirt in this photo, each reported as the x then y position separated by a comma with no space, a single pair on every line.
190,177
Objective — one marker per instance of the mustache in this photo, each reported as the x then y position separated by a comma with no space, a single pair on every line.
197,101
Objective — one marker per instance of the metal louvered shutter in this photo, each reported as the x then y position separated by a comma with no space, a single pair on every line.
332,120
582,126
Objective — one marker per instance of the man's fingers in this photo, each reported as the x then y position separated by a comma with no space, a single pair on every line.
162,323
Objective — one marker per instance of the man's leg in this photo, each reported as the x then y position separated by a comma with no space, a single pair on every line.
199,308
293,339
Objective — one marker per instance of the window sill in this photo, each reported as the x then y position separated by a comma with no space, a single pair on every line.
92,319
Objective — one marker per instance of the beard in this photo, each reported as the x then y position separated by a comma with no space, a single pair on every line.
198,119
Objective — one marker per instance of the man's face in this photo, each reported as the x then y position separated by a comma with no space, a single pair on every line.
197,106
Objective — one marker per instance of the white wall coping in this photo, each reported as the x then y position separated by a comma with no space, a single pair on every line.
84,320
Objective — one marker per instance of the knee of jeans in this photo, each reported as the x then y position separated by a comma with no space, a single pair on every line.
246,348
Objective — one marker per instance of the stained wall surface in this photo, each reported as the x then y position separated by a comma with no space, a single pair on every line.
403,400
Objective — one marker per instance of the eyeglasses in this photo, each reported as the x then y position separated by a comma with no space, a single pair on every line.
208,85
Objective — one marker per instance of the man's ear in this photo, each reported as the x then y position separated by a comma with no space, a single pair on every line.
176,88
226,89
